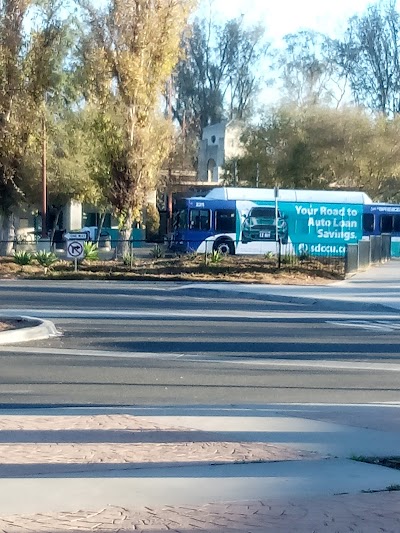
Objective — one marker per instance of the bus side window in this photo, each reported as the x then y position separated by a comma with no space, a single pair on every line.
368,222
396,224
386,224
200,219
225,221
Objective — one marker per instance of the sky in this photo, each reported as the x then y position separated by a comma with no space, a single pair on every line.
281,17
289,16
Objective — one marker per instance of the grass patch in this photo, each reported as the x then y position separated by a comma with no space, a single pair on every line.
389,462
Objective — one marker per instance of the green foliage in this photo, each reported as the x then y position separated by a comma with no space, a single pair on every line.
46,259
369,57
394,487
269,255
22,258
219,76
157,252
287,259
317,147
128,55
90,251
128,259
304,256
152,219
215,257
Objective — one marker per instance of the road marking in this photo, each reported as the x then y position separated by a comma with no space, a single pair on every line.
315,316
381,326
202,358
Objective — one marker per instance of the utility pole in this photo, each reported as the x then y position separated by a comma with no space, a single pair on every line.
258,175
44,173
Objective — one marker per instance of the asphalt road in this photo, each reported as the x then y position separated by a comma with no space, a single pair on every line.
166,344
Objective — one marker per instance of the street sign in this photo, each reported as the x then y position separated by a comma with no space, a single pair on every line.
71,236
75,249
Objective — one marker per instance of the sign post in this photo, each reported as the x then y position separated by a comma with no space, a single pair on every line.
276,194
75,249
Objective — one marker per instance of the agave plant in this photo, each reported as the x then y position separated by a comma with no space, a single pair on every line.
22,258
157,252
46,259
90,251
215,257
128,259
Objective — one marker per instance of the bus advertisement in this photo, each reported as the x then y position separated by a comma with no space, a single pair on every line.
253,221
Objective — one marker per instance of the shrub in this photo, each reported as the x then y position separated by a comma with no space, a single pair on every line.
152,219
128,259
157,252
215,257
304,256
46,259
22,258
90,251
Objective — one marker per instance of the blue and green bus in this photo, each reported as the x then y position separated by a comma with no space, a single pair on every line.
252,221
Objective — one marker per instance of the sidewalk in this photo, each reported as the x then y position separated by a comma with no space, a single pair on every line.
252,469
378,287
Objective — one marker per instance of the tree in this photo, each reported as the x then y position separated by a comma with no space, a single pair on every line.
309,71
317,147
218,77
369,56
27,61
128,56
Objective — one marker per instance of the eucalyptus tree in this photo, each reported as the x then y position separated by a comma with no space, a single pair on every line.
369,55
219,75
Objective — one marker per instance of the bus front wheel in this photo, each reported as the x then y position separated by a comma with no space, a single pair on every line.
224,247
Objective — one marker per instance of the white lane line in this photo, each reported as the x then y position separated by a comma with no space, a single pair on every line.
346,318
201,358
93,313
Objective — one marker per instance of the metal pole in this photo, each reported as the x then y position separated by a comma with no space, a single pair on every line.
44,175
276,193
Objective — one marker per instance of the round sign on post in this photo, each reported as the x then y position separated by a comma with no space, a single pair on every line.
75,249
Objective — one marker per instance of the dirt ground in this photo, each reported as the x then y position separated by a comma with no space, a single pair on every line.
10,324
238,269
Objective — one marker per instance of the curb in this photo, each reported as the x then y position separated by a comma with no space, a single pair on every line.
39,330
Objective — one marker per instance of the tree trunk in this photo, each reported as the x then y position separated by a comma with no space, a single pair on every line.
53,229
100,227
125,236
7,234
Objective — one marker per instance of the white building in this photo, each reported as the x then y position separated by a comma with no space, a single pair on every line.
220,143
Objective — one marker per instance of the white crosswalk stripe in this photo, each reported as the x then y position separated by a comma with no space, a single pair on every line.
382,326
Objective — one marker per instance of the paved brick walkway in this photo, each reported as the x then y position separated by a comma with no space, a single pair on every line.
364,513
32,445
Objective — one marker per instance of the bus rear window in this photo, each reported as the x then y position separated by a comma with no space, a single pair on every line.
225,221
199,219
